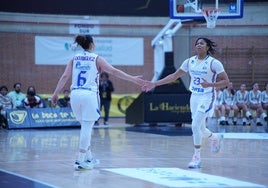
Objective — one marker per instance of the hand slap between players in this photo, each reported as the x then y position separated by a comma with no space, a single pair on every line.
148,86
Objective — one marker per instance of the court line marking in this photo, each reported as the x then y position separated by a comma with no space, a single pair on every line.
246,135
176,177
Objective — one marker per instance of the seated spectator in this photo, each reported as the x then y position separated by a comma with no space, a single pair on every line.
264,98
241,100
17,96
219,107
229,102
255,103
65,101
5,103
32,100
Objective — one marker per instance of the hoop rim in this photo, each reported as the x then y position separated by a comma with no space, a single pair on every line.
206,11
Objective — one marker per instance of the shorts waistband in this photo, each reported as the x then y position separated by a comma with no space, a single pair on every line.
89,89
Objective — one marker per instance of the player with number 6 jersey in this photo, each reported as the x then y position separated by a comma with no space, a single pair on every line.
84,68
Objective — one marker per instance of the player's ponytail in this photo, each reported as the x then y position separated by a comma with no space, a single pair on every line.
84,41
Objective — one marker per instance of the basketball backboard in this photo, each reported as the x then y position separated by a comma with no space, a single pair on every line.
192,9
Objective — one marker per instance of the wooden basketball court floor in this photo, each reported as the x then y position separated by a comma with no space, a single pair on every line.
43,158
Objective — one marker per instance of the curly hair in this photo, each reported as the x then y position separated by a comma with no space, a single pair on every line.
211,45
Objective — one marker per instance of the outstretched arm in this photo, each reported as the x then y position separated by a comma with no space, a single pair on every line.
61,83
103,65
170,78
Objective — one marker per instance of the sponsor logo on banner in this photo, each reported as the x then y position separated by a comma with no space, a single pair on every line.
18,117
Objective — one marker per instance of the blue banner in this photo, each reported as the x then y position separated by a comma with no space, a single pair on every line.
41,117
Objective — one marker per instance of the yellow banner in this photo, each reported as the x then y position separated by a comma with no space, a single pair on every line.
120,102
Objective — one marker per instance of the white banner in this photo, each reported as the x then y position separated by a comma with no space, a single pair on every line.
85,27
117,51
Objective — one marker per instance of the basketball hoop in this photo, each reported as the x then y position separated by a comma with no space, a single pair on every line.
211,16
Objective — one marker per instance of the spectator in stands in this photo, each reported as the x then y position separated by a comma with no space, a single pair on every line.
219,107
32,100
5,103
255,103
105,90
17,96
241,100
65,101
229,103
264,98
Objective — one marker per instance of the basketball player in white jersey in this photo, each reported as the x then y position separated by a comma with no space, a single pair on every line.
84,68
241,100
204,71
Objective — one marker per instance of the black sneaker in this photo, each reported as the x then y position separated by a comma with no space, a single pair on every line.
234,122
82,166
222,122
259,124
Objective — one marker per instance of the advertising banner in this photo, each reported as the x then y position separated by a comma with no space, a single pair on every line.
51,50
41,117
167,108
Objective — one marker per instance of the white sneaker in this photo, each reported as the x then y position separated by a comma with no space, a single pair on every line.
93,162
83,166
195,163
216,143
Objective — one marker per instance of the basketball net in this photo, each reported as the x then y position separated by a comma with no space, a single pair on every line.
211,16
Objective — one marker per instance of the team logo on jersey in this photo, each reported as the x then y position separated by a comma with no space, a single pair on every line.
82,66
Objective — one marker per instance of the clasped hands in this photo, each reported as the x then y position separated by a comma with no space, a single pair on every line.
145,84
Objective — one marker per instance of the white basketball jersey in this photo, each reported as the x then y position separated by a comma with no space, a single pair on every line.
208,69
241,97
85,73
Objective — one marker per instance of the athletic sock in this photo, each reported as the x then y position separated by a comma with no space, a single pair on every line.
81,157
197,152
89,155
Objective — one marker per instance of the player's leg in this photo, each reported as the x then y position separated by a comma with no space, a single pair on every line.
88,113
197,134
236,111
106,111
84,145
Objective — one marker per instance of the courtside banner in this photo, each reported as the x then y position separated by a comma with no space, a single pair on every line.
51,50
167,108
41,117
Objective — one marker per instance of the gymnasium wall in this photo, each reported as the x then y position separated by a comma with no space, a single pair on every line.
244,59
242,46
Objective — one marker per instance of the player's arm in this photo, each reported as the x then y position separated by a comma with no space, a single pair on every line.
103,65
168,79
61,83
223,81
